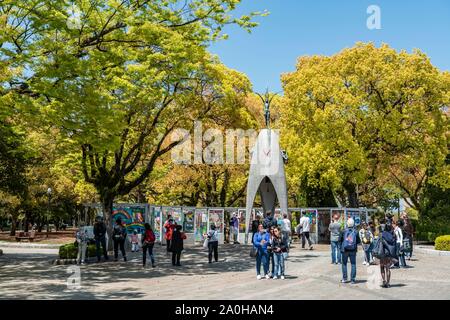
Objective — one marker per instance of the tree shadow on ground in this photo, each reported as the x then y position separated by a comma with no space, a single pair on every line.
41,279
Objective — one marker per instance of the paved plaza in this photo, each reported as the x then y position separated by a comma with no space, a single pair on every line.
26,273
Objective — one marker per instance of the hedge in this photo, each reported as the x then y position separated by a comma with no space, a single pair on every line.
442,243
70,251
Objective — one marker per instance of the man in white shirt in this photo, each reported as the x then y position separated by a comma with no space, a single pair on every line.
304,222
286,228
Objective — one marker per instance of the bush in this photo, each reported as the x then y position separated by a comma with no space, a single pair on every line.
70,251
442,243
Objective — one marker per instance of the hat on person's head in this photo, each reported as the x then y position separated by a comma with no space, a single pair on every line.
350,223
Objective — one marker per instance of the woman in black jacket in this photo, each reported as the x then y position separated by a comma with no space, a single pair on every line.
388,237
177,245
279,249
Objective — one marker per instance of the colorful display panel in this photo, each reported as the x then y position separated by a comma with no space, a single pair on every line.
188,214
132,218
157,216
201,223
216,217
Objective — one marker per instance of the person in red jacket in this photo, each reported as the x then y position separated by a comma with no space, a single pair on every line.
148,241
169,226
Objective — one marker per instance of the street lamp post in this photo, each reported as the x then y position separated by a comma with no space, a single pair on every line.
49,194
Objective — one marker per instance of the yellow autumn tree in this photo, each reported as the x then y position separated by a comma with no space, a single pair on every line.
367,116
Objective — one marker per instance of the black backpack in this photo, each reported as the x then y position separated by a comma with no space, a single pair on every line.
378,248
118,233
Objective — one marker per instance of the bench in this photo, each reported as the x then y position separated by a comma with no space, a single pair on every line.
26,236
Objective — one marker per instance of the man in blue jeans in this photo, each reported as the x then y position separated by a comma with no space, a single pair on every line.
335,232
349,241
260,242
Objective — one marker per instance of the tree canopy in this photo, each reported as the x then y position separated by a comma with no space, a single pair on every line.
365,119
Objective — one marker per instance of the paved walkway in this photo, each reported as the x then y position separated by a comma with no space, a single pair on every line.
26,273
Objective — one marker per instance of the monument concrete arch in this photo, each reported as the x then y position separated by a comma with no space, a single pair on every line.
266,176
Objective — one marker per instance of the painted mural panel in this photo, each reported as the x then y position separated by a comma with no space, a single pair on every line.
132,218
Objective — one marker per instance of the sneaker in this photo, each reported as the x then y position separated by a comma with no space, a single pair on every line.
275,278
364,263
344,281
353,282
311,248
267,276
282,277
258,277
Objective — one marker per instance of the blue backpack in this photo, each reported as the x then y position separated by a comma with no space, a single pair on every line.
349,242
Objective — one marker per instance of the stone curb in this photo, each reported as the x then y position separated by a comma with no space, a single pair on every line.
29,245
432,251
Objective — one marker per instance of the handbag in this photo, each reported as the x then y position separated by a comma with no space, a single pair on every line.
205,243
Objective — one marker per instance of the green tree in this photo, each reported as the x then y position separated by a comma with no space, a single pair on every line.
114,77
367,118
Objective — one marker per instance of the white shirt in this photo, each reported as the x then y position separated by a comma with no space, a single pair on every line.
286,225
398,235
304,222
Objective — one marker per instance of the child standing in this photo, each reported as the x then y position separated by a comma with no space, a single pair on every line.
82,240
148,241
134,242
366,238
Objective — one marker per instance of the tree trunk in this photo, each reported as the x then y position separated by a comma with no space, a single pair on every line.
13,227
352,196
107,203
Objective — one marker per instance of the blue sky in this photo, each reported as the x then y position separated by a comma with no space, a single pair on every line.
305,27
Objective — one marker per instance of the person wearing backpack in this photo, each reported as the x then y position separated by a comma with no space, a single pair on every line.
388,241
349,245
366,239
213,244
119,236
100,238
148,242
269,221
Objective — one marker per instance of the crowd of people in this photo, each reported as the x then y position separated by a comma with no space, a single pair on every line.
387,243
